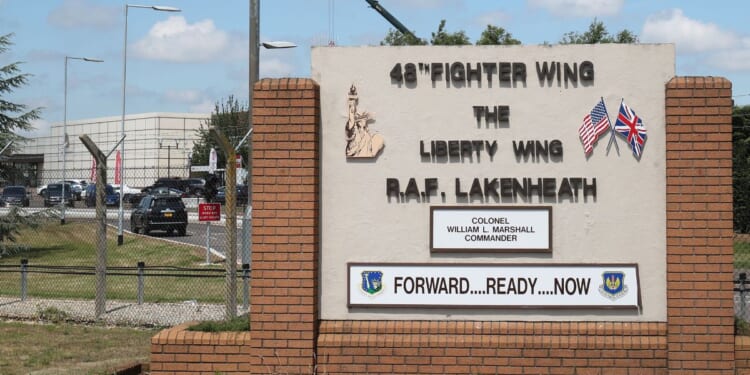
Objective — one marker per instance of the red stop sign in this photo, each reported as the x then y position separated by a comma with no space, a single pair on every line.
209,211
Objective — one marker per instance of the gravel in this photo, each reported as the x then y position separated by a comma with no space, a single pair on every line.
117,312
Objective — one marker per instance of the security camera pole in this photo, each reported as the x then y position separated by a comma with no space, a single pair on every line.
230,191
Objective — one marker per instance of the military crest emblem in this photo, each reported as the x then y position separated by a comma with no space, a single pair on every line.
613,285
372,282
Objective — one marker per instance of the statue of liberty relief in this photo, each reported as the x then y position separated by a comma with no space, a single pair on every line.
360,142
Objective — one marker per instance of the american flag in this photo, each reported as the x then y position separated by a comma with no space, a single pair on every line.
631,127
594,124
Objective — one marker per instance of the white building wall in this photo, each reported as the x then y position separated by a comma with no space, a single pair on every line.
156,145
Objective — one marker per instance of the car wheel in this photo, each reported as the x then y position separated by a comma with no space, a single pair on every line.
71,204
146,230
182,231
43,191
89,203
170,231
133,228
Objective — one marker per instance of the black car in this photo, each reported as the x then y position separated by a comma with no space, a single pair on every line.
159,212
53,195
240,196
15,196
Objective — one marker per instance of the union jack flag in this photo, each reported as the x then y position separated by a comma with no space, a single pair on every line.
631,127
594,124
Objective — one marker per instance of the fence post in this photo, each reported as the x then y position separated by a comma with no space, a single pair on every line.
743,277
24,272
245,286
141,265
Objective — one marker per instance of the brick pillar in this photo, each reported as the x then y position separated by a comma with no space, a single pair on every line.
285,179
700,311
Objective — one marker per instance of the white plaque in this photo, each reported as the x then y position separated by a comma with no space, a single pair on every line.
491,229
494,285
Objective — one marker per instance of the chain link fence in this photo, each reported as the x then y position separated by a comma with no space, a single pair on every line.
161,278
742,282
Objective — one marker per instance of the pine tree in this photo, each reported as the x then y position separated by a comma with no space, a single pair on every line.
13,117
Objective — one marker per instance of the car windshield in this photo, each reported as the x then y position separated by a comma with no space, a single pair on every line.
54,188
13,190
174,204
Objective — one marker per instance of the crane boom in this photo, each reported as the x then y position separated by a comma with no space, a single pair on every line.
388,16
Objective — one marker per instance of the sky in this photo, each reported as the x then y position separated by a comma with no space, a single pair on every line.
188,61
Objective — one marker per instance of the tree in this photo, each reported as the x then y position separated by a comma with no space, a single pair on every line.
13,117
443,38
231,118
597,33
397,38
494,35
741,167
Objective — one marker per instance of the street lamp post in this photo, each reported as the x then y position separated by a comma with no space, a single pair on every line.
65,127
120,213
169,153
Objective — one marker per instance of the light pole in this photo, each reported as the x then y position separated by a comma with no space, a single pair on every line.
65,126
169,152
122,121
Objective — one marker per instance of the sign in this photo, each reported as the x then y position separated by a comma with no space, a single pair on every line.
487,229
609,286
238,161
460,155
212,159
209,211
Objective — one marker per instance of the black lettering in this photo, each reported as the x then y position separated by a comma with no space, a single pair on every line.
459,193
587,71
411,188
392,188
474,73
436,71
397,282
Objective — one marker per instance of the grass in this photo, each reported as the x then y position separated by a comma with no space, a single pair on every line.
236,324
741,255
74,244
42,348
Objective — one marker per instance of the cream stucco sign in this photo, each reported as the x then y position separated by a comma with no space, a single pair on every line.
563,147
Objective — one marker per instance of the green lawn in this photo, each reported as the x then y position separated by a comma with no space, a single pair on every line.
70,349
74,244
741,255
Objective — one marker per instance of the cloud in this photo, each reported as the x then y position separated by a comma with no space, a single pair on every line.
175,40
735,59
580,8
84,14
197,101
497,18
274,67
689,35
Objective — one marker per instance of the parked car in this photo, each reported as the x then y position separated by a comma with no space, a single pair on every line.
135,199
195,186
172,182
53,195
75,186
111,198
241,196
15,196
159,212
127,191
